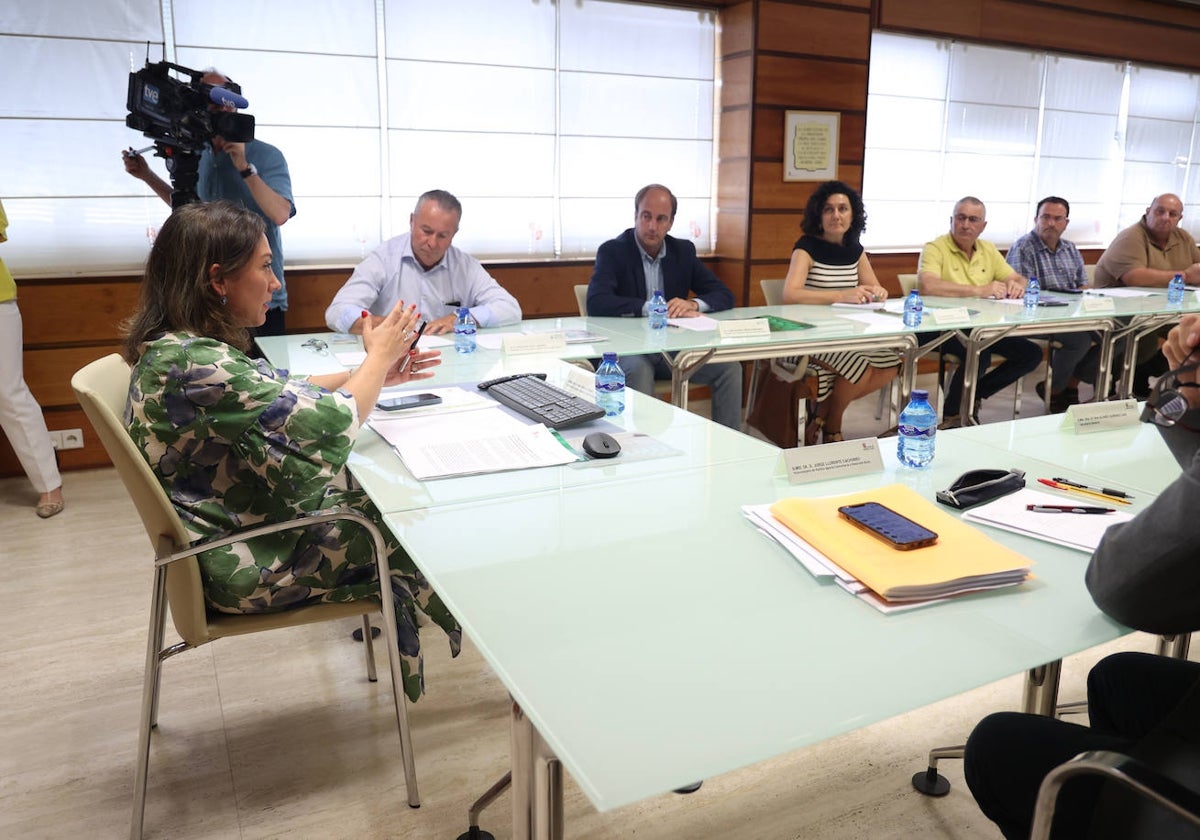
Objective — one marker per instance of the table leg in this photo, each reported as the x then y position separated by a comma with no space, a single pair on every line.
1040,697
536,783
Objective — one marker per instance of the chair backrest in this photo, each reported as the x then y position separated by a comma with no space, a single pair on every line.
102,388
772,291
1091,273
581,298
908,282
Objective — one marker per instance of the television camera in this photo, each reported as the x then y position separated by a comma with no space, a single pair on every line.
182,116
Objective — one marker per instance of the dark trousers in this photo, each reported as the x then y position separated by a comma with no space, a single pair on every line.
1009,753
1021,356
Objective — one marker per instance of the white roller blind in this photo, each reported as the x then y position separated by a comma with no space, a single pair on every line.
543,117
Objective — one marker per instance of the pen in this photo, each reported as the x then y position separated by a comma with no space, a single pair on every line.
1106,491
675,326
1092,493
1068,509
412,350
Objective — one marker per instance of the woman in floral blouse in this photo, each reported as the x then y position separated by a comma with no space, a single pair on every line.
235,442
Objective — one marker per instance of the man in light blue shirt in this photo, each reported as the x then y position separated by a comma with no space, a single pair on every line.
423,267
1058,266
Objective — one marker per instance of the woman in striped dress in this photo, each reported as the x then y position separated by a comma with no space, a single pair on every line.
830,266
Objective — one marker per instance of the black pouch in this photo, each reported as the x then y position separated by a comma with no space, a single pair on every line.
978,486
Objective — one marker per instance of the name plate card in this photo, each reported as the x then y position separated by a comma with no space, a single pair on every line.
1098,303
1097,417
744,328
950,317
581,383
832,460
549,342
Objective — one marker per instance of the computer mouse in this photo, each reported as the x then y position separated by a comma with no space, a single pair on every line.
601,445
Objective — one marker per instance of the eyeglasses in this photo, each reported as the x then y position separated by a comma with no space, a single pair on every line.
316,345
1167,404
962,217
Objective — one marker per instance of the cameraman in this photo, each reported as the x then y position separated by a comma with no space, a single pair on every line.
254,175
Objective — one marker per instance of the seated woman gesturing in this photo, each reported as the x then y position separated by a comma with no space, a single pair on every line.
235,443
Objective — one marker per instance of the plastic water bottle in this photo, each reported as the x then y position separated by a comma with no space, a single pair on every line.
658,310
610,386
913,309
918,425
1175,289
464,331
1032,292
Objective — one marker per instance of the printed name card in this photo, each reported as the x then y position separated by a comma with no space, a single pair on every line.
1097,417
1098,303
832,460
548,342
744,328
949,317
581,383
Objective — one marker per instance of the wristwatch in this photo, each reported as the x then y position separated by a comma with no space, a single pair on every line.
249,170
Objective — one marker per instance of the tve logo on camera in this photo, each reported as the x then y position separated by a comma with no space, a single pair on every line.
150,94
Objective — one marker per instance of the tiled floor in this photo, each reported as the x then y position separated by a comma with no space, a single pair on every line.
280,734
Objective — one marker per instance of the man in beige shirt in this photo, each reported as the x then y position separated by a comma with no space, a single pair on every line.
1149,253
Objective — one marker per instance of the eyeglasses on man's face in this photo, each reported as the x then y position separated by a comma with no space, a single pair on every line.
963,218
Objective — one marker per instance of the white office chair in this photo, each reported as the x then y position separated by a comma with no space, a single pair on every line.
790,369
102,388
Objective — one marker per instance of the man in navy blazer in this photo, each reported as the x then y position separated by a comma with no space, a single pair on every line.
628,270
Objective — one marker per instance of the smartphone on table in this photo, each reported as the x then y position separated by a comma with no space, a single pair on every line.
402,401
881,521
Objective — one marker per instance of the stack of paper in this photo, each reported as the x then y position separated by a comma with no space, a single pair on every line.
963,559
1080,531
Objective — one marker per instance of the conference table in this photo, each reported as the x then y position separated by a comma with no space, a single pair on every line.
829,329
650,636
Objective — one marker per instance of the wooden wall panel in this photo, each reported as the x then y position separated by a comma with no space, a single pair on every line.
62,311
771,192
732,233
1134,30
737,29
768,132
813,30
736,81
772,236
810,83
49,372
734,142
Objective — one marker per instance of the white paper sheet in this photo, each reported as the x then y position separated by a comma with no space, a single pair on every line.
1080,531
444,444
701,323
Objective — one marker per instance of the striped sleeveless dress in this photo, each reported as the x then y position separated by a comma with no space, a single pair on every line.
836,267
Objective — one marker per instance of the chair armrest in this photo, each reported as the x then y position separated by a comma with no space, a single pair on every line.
305,520
1129,771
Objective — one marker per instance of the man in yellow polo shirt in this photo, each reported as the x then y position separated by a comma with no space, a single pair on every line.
960,264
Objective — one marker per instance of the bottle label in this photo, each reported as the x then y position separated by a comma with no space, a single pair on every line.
910,431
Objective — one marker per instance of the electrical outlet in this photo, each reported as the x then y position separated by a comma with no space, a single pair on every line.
67,438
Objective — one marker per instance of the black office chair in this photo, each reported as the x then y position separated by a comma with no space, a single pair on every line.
1125,771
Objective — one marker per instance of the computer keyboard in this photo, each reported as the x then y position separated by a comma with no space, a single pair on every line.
548,404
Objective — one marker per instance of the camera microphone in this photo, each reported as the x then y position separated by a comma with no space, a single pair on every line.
227,98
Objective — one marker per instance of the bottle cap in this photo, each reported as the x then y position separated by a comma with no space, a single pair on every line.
610,356
462,310
920,394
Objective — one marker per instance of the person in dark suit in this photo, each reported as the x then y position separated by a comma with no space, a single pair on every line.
644,258
1143,574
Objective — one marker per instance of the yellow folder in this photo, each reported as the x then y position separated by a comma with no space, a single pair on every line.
963,558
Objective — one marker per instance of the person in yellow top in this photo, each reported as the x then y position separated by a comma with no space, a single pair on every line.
960,264
20,415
